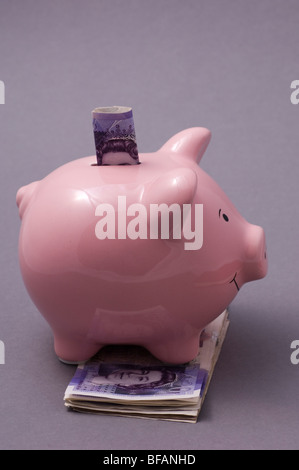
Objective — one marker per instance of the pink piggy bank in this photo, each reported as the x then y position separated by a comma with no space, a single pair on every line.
146,254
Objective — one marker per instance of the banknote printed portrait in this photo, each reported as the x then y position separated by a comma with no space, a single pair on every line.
129,379
135,378
114,135
116,151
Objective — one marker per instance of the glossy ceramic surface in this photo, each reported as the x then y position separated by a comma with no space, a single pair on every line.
150,292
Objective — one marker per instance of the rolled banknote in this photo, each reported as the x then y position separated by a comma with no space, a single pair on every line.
114,135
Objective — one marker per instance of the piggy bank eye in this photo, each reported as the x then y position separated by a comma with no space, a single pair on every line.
224,216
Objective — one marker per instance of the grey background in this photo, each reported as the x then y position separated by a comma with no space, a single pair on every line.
225,65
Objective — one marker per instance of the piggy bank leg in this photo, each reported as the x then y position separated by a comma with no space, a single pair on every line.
74,350
176,351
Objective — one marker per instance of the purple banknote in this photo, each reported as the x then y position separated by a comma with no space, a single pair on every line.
114,134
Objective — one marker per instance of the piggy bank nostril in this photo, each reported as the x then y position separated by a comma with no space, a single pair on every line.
265,255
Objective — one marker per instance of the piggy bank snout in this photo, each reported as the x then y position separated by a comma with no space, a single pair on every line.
256,263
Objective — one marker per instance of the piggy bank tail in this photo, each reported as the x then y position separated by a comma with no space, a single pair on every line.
24,196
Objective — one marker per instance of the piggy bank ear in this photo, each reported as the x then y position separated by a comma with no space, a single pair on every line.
24,196
174,187
190,143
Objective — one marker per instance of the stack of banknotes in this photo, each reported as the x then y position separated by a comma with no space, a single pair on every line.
129,381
